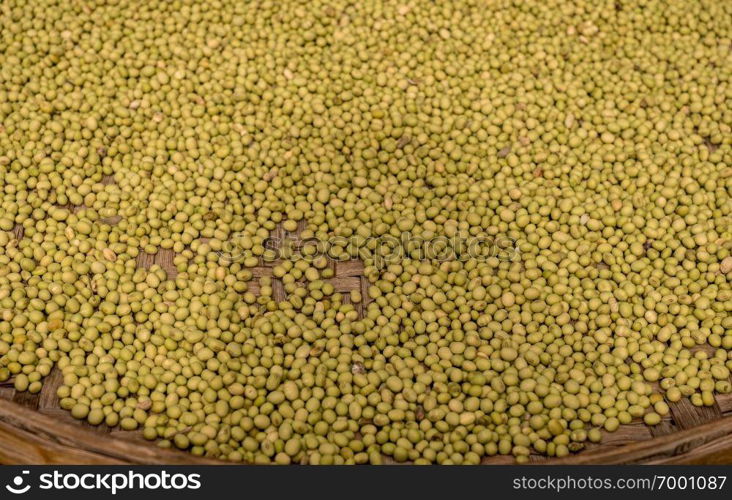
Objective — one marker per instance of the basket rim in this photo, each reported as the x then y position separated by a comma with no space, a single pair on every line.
49,439
43,438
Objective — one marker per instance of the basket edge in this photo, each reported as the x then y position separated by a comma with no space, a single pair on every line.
34,438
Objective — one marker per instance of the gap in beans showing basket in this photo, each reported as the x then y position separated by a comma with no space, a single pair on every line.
337,231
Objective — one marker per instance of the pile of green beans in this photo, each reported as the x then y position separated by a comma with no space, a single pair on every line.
589,142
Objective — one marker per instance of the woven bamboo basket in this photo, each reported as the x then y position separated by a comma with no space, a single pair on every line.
35,430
